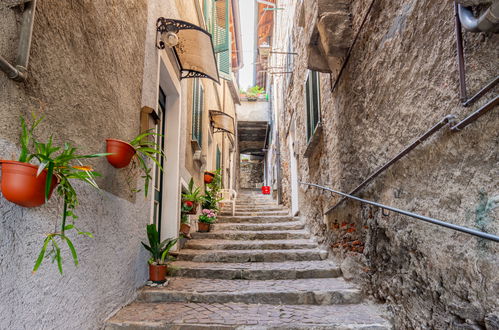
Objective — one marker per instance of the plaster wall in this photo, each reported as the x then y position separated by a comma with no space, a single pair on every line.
400,80
253,111
85,77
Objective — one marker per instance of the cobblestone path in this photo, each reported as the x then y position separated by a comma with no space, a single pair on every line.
258,269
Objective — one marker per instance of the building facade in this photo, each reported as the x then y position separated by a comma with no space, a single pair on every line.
368,79
96,72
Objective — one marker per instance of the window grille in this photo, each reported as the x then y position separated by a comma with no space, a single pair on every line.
197,112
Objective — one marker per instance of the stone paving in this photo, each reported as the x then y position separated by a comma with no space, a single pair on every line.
255,271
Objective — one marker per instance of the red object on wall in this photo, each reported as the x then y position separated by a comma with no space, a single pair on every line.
266,190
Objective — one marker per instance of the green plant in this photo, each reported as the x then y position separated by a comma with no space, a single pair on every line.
193,193
211,196
184,218
159,250
146,149
58,163
207,216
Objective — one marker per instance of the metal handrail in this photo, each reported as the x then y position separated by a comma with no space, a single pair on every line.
462,229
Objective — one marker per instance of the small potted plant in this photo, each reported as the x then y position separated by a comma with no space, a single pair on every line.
192,197
211,197
160,254
185,226
253,93
205,220
121,153
208,177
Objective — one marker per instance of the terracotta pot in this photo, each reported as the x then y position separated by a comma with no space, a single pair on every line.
157,273
208,177
121,151
194,208
185,229
21,186
203,227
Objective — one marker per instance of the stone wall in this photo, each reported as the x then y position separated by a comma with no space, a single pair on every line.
85,77
400,80
250,174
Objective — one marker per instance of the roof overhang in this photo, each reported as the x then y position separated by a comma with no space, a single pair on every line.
222,122
194,49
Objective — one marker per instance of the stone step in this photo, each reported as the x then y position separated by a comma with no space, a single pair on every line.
191,316
213,244
234,256
239,219
253,235
293,225
255,270
322,291
254,208
262,213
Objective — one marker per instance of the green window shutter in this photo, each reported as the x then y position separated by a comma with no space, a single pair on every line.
224,64
220,21
312,94
197,112
219,158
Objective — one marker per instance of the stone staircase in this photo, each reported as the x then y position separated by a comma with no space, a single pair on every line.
258,269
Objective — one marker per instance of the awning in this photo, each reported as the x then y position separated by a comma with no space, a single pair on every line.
194,50
222,122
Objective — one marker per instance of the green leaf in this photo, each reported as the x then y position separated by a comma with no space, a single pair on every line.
68,227
48,181
71,248
58,256
42,254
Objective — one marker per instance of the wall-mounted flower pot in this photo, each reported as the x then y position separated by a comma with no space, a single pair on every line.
157,273
208,177
194,207
266,190
121,151
203,227
21,186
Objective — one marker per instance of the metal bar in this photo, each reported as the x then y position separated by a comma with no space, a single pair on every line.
286,53
401,154
26,35
9,69
475,115
462,229
482,92
460,55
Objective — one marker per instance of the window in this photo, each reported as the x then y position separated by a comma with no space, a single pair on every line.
197,112
313,103
313,107
216,13
219,158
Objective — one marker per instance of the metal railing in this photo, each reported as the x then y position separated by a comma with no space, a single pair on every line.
462,229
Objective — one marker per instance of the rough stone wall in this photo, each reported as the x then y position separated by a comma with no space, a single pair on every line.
85,77
251,174
400,80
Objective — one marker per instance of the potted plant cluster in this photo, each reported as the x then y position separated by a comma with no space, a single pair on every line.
31,185
253,93
209,203
121,153
192,197
160,254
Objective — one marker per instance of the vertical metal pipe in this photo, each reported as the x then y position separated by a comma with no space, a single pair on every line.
26,35
460,55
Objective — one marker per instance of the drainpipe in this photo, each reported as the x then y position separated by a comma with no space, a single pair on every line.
19,72
487,22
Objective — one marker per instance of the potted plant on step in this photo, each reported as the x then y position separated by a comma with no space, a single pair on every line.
192,197
121,153
185,226
211,197
205,220
160,254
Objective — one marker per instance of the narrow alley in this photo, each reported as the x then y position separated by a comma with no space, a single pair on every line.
249,164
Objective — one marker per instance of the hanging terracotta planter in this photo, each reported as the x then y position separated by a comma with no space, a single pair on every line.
203,227
194,209
208,177
21,186
157,273
122,153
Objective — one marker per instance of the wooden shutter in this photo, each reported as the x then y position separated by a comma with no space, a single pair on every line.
312,103
197,112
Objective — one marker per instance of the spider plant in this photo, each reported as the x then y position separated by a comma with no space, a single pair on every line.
160,251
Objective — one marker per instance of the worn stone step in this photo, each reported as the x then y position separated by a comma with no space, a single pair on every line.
253,235
255,270
250,255
253,219
293,225
322,291
262,213
191,316
213,244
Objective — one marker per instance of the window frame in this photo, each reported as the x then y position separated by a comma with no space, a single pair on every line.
197,114
313,110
